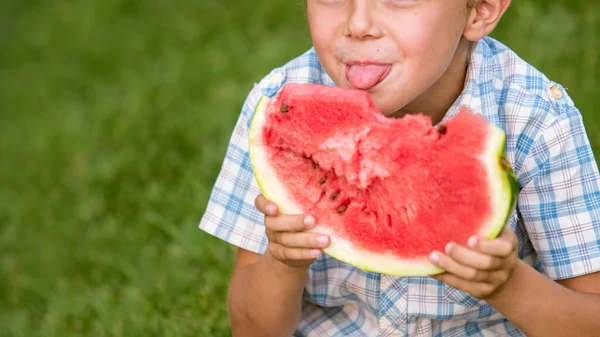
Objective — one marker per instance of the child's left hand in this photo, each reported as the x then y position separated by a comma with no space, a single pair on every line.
482,268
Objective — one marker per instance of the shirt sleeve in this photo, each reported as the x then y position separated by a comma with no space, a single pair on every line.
560,203
230,213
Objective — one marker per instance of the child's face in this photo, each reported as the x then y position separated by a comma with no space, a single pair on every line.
395,49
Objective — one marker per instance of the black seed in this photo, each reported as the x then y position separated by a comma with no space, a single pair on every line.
335,195
315,166
322,181
342,209
284,108
442,129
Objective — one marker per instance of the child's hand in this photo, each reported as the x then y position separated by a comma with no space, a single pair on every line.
288,241
482,269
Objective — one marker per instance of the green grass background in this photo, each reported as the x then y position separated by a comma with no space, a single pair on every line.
114,118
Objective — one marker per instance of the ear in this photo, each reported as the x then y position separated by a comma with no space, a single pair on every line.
483,18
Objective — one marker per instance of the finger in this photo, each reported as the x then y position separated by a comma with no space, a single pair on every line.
294,254
265,206
470,258
503,246
289,223
509,235
451,266
302,240
477,289
498,277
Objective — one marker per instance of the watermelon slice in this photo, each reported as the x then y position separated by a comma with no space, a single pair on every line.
387,191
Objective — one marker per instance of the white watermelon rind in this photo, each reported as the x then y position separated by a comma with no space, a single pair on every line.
266,178
503,193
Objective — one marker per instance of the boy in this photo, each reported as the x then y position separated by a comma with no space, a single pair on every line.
539,278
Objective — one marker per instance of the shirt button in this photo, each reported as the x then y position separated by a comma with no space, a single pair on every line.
556,92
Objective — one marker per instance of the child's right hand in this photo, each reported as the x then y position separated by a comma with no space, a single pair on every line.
289,242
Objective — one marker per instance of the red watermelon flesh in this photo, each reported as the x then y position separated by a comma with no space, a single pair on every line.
387,191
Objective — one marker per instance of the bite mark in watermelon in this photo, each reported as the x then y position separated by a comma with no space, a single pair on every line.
387,191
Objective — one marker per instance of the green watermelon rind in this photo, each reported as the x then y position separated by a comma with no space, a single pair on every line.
504,192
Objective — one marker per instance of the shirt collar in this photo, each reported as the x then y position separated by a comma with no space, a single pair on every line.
478,92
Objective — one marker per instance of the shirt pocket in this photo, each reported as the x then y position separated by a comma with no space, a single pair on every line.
332,283
431,299
468,307
461,298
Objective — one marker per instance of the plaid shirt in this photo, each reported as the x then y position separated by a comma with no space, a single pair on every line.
557,219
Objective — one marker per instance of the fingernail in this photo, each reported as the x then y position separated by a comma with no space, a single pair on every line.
270,209
434,257
473,242
315,252
322,241
309,221
449,248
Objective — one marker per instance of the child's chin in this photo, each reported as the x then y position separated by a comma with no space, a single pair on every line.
387,105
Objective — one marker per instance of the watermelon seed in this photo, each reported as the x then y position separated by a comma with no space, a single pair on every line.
284,108
322,181
315,166
442,129
335,195
342,208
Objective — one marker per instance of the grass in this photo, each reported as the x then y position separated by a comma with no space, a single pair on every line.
115,116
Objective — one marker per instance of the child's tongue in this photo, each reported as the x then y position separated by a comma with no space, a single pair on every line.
365,76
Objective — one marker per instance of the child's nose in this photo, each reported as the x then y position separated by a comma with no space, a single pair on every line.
361,23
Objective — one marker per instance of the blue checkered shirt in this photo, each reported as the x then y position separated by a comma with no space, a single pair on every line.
557,219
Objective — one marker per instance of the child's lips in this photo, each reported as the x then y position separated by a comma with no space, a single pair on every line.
365,76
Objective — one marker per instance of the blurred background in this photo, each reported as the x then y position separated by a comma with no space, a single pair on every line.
114,119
